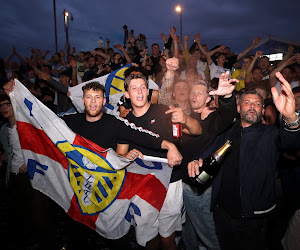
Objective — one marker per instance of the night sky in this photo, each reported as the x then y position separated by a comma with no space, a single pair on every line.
235,23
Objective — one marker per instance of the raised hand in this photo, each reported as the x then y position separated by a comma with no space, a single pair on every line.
197,38
178,114
225,87
222,48
293,59
186,38
172,64
291,48
172,30
28,61
164,37
285,103
93,52
44,76
73,62
258,54
256,40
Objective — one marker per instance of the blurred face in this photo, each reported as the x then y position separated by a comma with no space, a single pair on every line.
155,50
81,57
246,63
162,62
181,92
264,63
56,58
64,80
197,54
137,93
198,97
221,60
250,109
6,109
117,57
92,62
193,62
287,74
191,76
93,102
257,75
297,101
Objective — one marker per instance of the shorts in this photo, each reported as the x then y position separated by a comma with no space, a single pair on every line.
172,214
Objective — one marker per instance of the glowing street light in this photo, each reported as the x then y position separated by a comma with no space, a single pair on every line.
179,10
66,16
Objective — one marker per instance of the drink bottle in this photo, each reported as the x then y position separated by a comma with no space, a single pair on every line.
177,132
211,166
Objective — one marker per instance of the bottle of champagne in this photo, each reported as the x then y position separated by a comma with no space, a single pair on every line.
177,132
211,165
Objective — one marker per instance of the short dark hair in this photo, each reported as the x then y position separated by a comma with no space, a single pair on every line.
132,77
255,68
251,92
140,69
96,86
264,57
65,73
154,44
4,97
296,90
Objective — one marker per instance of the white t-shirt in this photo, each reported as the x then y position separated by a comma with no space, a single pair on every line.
216,71
17,159
201,66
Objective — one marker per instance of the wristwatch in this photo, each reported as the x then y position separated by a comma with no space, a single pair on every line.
288,125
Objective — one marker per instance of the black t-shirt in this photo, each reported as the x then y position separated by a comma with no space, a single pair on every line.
154,120
157,121
108,131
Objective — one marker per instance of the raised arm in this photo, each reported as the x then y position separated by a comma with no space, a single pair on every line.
246,51
248,76
74,72
287,55
212,52
285,102
167,81
175,42
120,47
7,59
104,55
197,39
291,60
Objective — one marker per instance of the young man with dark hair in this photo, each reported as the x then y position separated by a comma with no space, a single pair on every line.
106,130
156,117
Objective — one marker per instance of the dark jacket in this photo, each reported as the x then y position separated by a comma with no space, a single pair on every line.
259,153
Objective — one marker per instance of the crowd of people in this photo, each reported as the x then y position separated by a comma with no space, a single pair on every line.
215,95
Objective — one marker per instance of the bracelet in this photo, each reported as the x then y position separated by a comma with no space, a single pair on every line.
288,125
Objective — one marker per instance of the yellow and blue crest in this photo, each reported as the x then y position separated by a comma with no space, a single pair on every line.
95,182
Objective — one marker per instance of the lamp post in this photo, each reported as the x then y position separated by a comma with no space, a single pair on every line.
55,30
66,16
179,10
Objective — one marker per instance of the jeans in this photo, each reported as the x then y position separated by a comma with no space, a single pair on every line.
199,230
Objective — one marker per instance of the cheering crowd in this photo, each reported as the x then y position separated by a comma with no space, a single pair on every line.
215,95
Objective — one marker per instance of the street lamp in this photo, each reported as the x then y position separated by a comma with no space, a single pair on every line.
66,16
179,10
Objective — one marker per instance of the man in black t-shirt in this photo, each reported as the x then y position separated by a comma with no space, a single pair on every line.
106,130
158,118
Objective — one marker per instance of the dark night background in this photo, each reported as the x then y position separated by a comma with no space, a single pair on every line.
235,23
